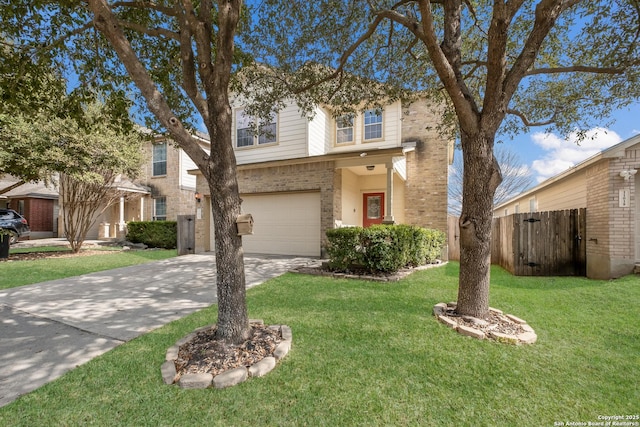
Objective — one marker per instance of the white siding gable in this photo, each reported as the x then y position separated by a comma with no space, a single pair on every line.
319,132
187,182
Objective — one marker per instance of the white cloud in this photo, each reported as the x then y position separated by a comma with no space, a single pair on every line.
561,153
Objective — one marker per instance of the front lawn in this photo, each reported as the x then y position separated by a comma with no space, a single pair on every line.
369,353
17,272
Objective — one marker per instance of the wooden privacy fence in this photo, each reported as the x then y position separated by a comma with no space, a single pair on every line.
535,244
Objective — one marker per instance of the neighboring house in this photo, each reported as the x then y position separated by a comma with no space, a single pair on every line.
605,185
302,177
163,190
37,202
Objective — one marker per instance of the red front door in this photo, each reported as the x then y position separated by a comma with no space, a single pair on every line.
372,209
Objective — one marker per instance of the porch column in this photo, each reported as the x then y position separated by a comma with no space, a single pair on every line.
142,208
388,211
121,223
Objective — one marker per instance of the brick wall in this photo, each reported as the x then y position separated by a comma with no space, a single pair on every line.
598,219
622,220
320,176
427,168
180,201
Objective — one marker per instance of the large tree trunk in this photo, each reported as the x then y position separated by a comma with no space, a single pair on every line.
233,322
481,178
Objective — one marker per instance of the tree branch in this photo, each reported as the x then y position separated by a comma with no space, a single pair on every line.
575,69
525,120
106,22
143,5
152,32
344,57
187,59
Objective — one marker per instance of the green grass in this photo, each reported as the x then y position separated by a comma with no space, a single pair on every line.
372,354
19,273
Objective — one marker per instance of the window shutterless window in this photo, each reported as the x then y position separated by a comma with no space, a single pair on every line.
160,209
372,124
246,135
344,129
159,156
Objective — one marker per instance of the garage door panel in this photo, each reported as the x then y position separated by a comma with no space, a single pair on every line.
284,224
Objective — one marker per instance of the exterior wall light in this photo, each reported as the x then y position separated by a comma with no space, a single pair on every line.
198,197
626,175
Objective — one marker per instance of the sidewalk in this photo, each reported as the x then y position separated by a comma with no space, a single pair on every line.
51,327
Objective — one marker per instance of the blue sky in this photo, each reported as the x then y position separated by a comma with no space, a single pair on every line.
548,155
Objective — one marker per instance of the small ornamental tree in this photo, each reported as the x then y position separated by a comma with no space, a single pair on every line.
87,189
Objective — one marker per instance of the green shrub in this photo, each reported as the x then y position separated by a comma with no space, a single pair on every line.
344,248
383,248
155,234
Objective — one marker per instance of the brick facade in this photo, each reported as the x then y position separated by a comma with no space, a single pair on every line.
180,200
598,214
427,168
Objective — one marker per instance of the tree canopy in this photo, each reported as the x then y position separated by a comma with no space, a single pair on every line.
499,66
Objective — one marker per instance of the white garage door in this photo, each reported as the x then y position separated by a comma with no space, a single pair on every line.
284,224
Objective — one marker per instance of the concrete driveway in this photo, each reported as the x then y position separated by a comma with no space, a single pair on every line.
51,327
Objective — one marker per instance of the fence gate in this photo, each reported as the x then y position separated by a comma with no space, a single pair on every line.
186,240
550,243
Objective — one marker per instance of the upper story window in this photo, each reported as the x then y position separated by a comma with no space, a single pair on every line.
344,129
372,124
159,156
246,135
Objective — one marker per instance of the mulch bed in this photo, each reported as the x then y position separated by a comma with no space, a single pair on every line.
206,354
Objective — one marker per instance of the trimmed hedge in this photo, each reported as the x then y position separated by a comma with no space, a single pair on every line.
383,248
155,234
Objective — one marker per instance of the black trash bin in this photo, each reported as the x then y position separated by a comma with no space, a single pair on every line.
4,245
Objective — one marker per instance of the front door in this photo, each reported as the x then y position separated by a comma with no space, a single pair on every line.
372,208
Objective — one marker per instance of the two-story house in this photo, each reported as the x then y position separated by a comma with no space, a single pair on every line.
300,177
163,190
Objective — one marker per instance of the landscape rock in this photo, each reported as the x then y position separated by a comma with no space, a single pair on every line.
528,337
516,319
193,381
230,378
439,308
263,367
169,373
172,353
449,322
506,338
287,335
282,349
471,332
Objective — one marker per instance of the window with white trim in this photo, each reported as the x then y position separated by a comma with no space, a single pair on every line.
159,159
160,209
246,135
372,124
344,129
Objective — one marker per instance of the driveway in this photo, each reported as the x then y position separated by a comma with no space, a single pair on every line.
51,327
